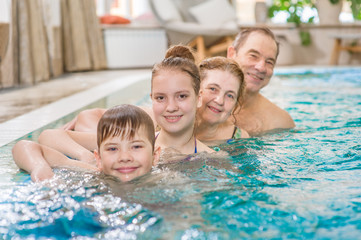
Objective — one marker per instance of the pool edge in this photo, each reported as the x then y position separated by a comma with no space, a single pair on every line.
18,127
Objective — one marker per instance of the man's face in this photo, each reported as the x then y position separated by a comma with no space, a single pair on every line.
257,59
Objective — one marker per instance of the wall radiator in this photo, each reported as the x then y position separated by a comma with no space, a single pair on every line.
133,47
5,11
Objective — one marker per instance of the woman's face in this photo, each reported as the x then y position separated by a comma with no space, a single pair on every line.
219,92
174,101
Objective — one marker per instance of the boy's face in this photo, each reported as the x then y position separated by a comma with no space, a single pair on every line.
126,158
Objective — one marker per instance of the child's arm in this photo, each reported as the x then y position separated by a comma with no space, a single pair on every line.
29,157
70,125
149,111
38,160
85,121
77,145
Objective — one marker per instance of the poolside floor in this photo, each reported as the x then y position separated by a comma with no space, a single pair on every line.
23,106
19,100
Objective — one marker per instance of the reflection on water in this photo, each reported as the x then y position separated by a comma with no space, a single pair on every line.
297,184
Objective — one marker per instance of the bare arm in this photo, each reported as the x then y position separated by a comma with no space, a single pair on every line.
70,125
151,114
85,121
29,157
38,160
77,145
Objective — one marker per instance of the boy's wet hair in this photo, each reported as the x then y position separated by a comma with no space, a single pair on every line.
179,58
226,65
125,121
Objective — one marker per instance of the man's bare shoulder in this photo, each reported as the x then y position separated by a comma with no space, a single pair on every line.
263,116
276,116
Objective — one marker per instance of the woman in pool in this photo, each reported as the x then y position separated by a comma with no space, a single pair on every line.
175,98
222,88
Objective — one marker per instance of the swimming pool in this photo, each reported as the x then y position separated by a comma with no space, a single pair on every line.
297,184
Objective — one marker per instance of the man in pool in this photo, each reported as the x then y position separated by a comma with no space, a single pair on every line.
256,51
125,147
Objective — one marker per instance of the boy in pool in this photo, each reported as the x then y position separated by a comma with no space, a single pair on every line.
125,148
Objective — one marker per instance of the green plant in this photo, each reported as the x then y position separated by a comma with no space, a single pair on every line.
356,9
295,10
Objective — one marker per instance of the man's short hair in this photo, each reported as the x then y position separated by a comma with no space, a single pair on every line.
243,35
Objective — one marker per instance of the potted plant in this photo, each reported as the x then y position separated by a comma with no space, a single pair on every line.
355,9
295,9
329,8
329,11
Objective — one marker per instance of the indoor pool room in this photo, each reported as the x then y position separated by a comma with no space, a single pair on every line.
270,62
300,183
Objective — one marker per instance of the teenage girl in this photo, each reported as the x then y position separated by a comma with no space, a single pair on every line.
175,98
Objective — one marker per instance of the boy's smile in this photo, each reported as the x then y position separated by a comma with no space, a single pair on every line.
126,158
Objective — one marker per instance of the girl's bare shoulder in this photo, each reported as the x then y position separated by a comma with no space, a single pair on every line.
201,147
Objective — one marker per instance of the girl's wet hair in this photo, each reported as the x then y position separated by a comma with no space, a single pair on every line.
124,121
226,65
179,58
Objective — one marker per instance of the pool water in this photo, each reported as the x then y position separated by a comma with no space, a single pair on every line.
304,183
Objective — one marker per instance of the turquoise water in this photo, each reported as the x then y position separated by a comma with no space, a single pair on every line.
299,184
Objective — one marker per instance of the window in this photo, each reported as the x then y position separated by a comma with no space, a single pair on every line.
125,8
245,10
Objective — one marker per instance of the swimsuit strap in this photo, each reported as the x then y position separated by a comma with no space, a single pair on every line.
157,135
234,131
237,133
195,144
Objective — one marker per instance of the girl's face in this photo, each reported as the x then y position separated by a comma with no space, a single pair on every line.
174,101
219,92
